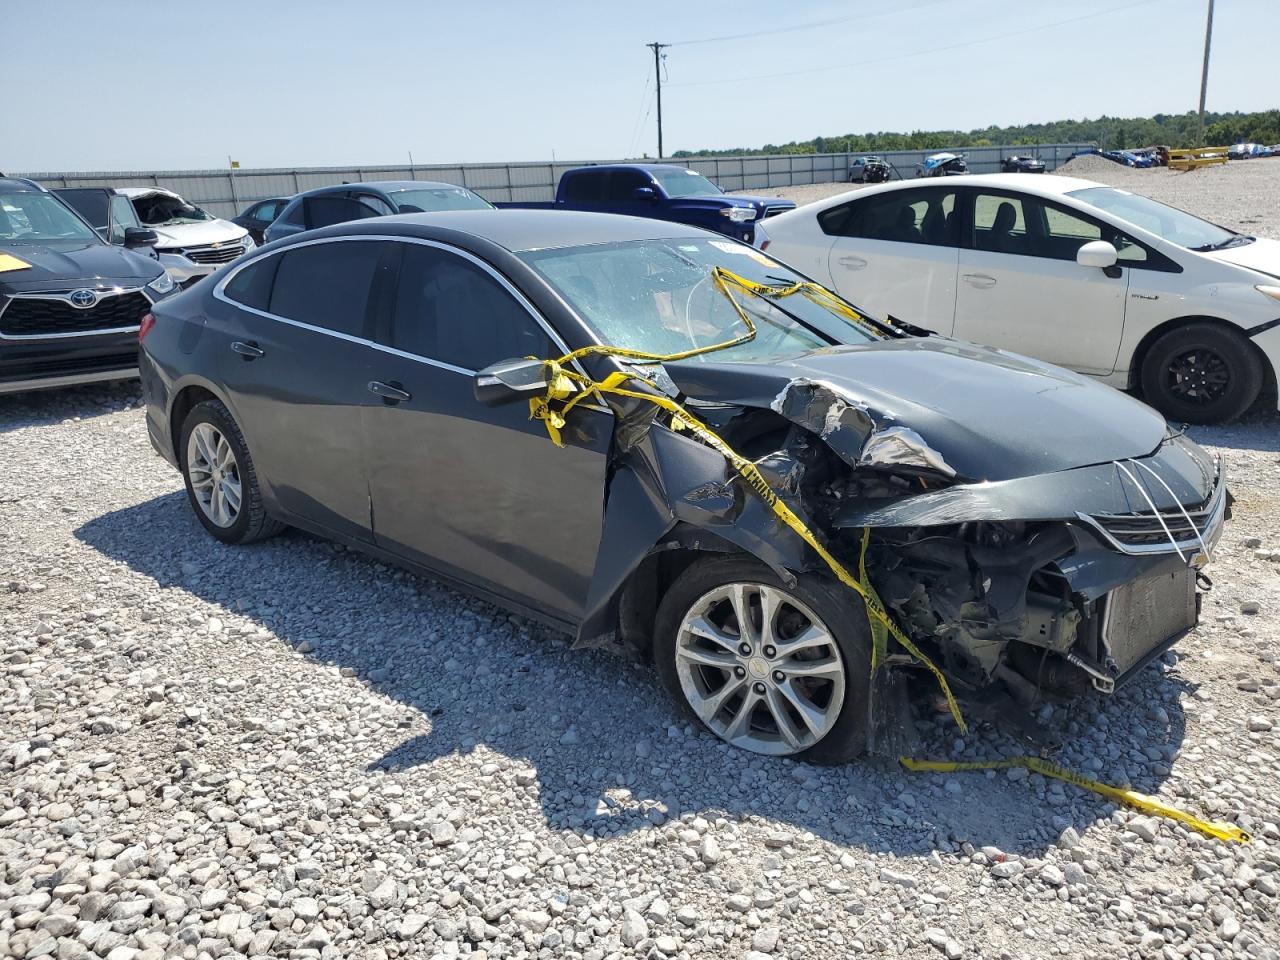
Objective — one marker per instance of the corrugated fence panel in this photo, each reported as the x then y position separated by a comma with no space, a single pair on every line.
216,191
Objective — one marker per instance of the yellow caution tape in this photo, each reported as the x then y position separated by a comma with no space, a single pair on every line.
553,407
9,262
1132,798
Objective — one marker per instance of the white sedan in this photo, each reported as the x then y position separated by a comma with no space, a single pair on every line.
1103,281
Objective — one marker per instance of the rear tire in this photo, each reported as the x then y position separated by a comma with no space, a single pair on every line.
1201,373
222,486
813,663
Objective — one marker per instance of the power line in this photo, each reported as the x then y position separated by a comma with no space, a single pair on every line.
812,25
917,53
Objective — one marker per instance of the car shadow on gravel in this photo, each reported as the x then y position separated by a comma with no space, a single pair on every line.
43,408
603,746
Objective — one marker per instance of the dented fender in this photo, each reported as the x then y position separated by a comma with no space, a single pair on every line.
670,490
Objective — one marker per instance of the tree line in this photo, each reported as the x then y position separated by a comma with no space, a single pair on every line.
1109,133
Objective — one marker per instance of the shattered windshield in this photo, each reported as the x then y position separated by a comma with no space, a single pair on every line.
659,296
1176,226
39,218
160,210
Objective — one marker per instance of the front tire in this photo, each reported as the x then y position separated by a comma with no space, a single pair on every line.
222,486
794,683
1201,373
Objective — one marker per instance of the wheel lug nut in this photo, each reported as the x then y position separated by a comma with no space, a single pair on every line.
739,672
744,649
779,676
759,688
770,651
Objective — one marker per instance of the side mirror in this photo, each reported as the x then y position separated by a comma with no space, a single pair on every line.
139,237
509,380
644,193
1097,253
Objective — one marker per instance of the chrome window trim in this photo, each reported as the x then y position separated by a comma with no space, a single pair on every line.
220,294
65,297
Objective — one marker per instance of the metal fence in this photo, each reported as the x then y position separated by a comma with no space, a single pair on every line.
226,193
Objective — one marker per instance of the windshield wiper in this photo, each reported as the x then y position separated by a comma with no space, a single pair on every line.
1238,240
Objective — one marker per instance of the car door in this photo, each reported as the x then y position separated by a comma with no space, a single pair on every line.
296,363
894,254
478,493
1020,287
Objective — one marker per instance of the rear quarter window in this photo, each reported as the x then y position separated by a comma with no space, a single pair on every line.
251,286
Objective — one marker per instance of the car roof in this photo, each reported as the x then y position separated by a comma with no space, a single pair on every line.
522,230
18,185
648,167
386,186
1050,185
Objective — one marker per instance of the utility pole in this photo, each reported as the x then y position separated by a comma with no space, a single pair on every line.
657,49
1204,73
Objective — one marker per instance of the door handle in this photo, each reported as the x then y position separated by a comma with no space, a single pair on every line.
980,280
250,351
853,263
390,393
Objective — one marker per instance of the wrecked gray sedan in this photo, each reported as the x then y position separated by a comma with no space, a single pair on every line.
1030,533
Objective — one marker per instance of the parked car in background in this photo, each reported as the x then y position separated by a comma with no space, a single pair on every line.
191,242
261,215
369,382
660,191
109,212
1022,165
868,170
1097,279
943,165
70,302
1247,151
345,202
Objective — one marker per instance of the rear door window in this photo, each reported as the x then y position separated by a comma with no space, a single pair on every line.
585,187
925,215
327,284
448,309
330,208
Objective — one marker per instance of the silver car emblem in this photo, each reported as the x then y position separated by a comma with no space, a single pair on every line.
84,299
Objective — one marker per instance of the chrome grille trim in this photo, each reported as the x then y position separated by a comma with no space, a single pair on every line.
1179,530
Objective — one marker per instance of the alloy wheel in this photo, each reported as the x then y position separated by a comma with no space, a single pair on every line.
214,474
1199,376
760,669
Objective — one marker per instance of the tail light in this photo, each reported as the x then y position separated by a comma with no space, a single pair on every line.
144,326
764,245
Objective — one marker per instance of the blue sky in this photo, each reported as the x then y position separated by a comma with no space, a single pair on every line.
165,85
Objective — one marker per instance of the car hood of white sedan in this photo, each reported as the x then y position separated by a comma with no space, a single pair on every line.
1262,255
198,234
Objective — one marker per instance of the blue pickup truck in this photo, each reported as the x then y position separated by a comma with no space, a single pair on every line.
661,191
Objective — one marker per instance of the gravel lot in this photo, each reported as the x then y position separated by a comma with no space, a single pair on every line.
291,750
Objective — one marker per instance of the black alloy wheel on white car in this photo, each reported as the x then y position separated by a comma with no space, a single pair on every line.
1201,373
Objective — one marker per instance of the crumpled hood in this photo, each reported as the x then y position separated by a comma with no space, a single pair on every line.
198,234
1262,255
988,414
64,264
